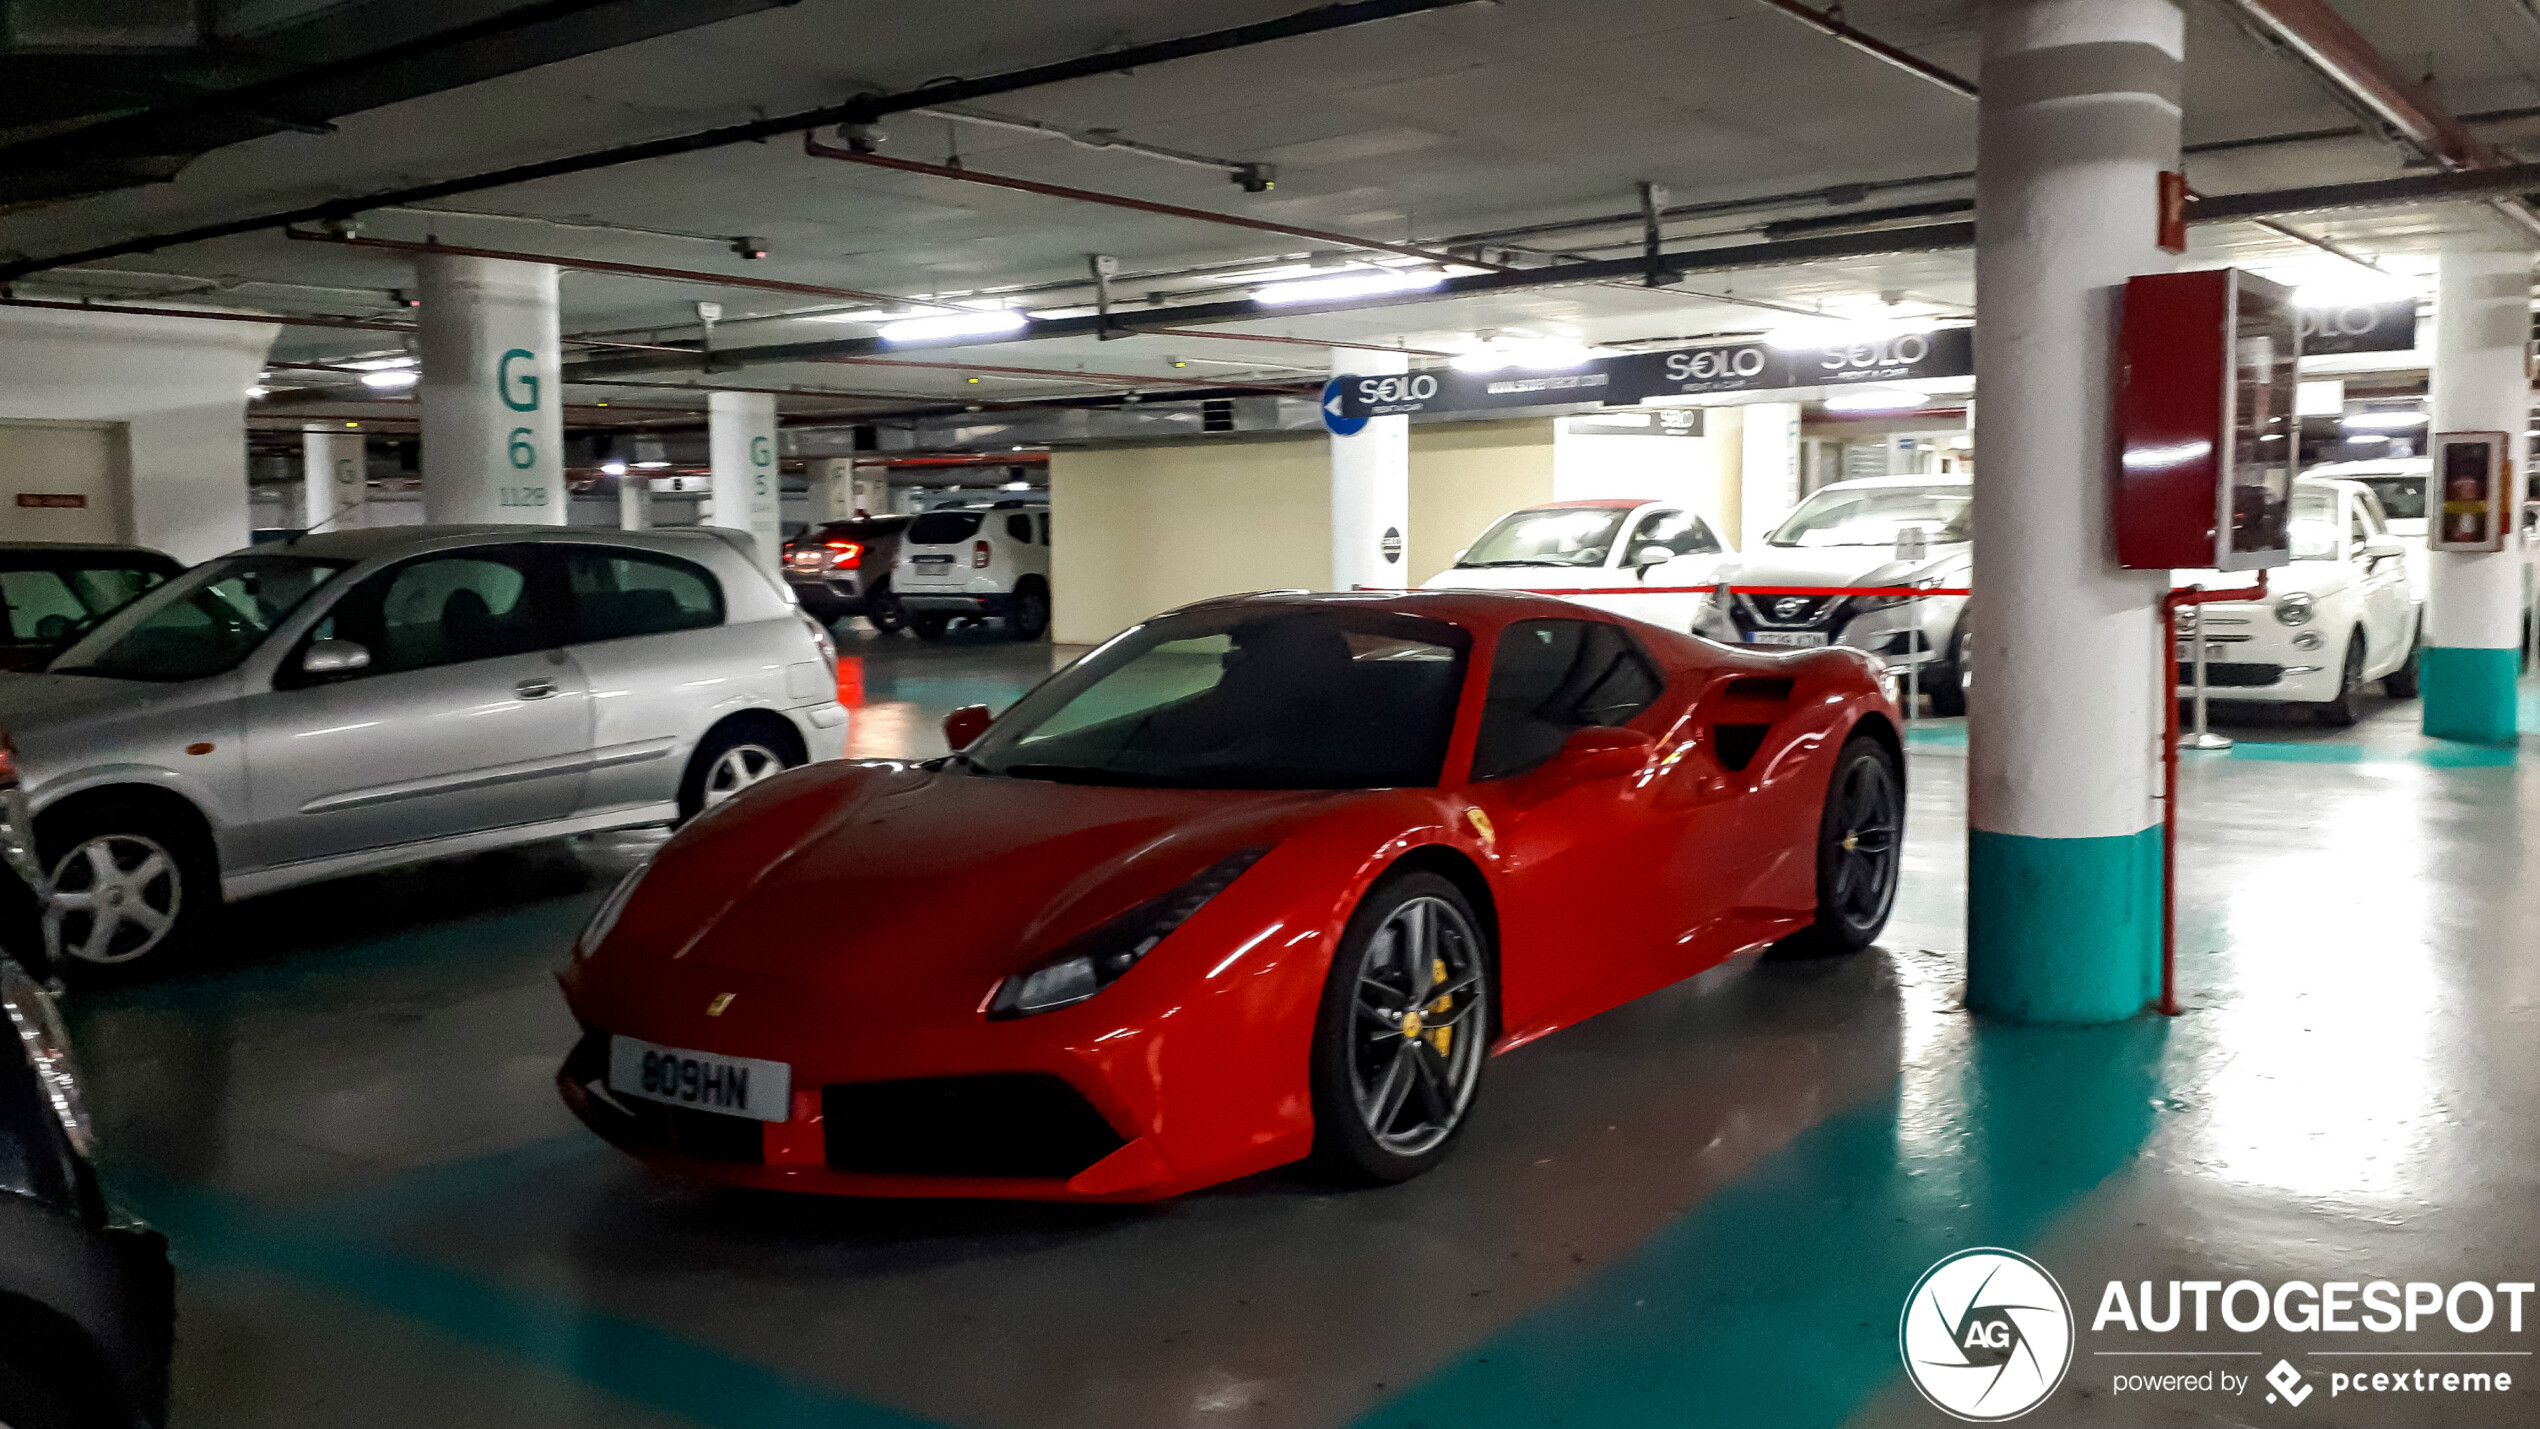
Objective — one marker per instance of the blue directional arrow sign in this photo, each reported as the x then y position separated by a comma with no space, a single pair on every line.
1339,425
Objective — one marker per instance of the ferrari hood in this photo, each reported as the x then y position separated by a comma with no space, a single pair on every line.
917,889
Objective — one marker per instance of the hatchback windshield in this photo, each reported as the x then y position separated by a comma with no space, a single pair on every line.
2402,497
1238,697
1548,536
1875,516
202,623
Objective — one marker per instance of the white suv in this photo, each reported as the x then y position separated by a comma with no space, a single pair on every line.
977,563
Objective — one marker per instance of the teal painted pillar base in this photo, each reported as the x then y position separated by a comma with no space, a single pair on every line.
2063,930
2468,694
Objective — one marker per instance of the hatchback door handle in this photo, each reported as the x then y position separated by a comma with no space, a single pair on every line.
534,689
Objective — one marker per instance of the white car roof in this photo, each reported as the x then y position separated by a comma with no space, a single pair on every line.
2378,466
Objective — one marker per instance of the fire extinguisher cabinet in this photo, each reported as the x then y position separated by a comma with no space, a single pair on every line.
2209,441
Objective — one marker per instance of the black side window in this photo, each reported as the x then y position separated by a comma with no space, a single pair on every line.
1045,528
617,593
1681,532
1551,678
1018,527
441,610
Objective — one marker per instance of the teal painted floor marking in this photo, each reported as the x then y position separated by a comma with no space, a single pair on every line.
1936,736
640,1362
1773,1305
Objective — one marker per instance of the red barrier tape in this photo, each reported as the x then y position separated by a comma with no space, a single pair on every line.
1707,589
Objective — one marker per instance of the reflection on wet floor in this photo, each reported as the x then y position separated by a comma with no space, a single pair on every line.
1695,1209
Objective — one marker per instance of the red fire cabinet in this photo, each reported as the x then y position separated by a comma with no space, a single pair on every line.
2206,423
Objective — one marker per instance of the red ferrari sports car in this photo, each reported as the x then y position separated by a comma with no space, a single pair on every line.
1263,878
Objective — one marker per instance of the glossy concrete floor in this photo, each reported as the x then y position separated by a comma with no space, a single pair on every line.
1706,1208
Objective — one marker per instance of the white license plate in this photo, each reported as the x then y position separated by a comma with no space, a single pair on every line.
735,1086
932,560
1786,637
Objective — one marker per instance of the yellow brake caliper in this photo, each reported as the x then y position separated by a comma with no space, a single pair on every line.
1443,1036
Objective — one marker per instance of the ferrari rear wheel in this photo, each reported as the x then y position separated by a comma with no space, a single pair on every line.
1859,839
1404,1031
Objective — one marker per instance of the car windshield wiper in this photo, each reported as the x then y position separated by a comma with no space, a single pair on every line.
1486,565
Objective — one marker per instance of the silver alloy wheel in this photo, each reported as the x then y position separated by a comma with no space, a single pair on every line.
738,768
115,898
1419,1033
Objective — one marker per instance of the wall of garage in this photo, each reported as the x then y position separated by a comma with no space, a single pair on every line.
1140,528
1464,476
163,404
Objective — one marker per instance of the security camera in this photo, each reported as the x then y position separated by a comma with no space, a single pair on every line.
1256,178
863,138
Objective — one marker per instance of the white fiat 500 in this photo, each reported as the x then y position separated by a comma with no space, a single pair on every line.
351,700
1596,545
2340,615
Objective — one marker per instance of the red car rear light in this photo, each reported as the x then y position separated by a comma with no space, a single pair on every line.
978,555
845,555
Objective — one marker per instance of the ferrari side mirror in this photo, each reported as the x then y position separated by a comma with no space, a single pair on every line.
963,726
1600,753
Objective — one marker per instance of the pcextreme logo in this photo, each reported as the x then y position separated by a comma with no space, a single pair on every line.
1986,1334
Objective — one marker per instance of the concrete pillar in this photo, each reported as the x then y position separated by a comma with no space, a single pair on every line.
2473,603
1371,487
872,490
335,480
741,455
832,482
1769,469
2078,118
634,501
493,424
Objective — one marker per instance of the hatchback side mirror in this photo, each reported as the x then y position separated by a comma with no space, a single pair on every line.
2384,548
333,657
963,726
1652,556
1601,753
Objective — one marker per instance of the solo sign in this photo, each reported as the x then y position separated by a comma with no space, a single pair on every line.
2360,327
1692,371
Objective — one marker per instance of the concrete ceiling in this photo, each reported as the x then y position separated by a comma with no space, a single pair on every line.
1417,129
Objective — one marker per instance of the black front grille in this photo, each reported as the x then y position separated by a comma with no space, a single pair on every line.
1789,612
2228,676
999,1124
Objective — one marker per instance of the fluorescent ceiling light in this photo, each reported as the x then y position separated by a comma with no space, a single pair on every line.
391,379
253,393
984,323
650,465
1825,332
2383,421
1369,284
1876,399
613,468
2368,437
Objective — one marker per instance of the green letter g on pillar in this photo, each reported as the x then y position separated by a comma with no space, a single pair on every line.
525,384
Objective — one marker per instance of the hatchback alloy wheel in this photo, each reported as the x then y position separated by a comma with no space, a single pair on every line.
115,898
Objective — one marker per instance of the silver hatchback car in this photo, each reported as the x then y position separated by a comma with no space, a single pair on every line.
346,701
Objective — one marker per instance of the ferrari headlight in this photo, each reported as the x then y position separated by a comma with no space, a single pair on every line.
1095,959
2294,609
48,1050
605,917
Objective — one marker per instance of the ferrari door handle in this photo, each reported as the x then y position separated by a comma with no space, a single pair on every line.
534,689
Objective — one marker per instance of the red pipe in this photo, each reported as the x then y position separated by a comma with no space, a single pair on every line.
2170,604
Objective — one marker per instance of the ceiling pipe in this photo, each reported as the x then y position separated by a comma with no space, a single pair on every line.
2364,79
356,324
813,147
1297,341
1928,238
1061,374
864,109
1252,177
1826,23
595,265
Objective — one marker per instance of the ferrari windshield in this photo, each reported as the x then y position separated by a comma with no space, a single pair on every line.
1548,536
1243,697
1875,516
201,623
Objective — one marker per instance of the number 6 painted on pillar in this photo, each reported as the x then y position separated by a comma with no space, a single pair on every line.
523,455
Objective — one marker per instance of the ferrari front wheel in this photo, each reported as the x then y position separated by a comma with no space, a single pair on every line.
1403,1033
1859,839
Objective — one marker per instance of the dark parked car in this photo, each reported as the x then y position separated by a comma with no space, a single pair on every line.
843,568
87,1298
56,590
